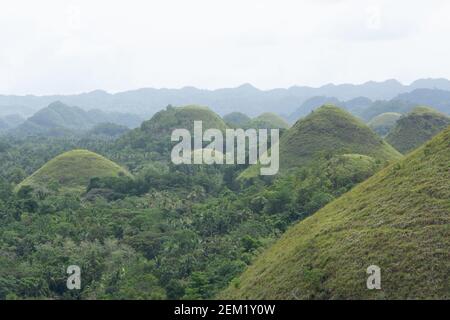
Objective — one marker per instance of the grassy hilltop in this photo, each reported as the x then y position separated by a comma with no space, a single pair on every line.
268,120
72,170
154,134
328,130
417,127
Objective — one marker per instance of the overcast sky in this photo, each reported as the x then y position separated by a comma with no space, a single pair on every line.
54,46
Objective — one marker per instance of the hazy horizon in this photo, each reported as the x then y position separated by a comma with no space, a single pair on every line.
50,47
229,87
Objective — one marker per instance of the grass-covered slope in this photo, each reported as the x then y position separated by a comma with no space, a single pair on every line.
417,127
398,219
334,131
72,170
267,120
384,122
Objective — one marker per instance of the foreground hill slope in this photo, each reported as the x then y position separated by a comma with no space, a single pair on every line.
417,127
398,219
330,129
72,170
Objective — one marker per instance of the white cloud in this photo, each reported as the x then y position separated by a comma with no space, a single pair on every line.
52,46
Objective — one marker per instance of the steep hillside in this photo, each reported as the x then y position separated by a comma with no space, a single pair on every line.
72,170
417,127
398,220
384,122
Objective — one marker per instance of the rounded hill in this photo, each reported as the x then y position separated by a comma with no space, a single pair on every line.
417,127
72,170
331,130
267,120
154,134
327,131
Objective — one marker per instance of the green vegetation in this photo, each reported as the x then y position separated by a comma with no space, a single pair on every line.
236,119
145,228
10,121
379,107
154,135
417,127
172,118
59,119
71,172
350,168
331,130
384,122
171,232
327,131
398,220
107,130
267,120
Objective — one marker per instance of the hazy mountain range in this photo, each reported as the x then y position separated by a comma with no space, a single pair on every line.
367,109
244,98
58,119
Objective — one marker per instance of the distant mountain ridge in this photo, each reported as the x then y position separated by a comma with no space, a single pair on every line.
367,109
244,98
59,119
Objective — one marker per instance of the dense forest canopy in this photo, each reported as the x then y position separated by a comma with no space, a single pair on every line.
110,201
